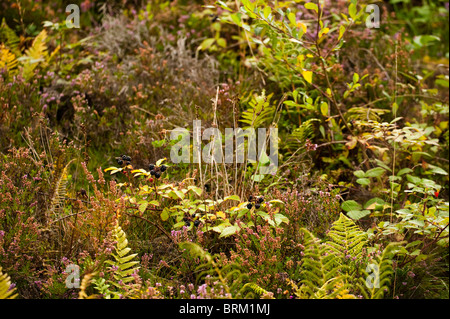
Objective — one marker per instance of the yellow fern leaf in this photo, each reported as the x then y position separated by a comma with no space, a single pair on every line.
7,58
35,54
5,287
60,179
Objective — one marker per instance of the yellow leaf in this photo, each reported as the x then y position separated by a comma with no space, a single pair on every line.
302,26
221,215
308,76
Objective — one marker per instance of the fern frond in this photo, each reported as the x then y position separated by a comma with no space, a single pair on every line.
195,250
260,111
256,289
347,239
304,132
377,277
59,184
5,284
87,279
319,269
35,54
364,114
9,38
123,262
7,59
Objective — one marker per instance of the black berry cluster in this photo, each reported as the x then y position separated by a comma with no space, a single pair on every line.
256,200
187,220
157,170
123,159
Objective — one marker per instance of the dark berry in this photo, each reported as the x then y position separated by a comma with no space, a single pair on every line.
257,205
196,223
250,198
157,174
187,224
119,161
124,157
193,215
151,167
261,199
185,219
249,206
152,172
128,163
163,168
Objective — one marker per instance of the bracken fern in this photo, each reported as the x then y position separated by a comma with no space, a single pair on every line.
123,263
5,284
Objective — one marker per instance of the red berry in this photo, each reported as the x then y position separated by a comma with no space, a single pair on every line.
436,194
150,180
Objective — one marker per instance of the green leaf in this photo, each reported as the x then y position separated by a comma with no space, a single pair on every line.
249,5
312,6
143,207
371,203
206,44
341,32
352,11
291,17
195,189
228,231
359,174
267,12
350,205
437,170
324,108
236,17
363,181
375,172
164,214
357,214
222,42
280,218
232,197
404,171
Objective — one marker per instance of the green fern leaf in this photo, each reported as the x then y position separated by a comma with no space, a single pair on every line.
346,238
364,114
260,111
299,136
256,289
123,263
319,269
9,38
376,279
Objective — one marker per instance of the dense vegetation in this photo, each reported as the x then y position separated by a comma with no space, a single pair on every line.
91,205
